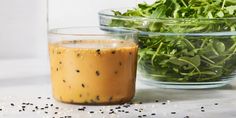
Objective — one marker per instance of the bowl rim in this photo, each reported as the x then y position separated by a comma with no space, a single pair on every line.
104,12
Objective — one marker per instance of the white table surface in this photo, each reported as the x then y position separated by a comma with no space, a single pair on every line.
183,102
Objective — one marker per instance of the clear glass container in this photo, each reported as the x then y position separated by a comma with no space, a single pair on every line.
93,65
181,53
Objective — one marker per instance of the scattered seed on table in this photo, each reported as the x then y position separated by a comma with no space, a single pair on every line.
144,115
216,104
202,110
163,103
48,98
45,112
56,107
140,116
156,101
91,112
33,110
186,117
12,104
202,107
173,112
153,114
55,112
126,111
113,52
51,105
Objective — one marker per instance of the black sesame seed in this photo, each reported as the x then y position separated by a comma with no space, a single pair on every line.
45,112
83,85
36,107
42,108
102,112
55,112
173,112
216,104
202,110
74,41
156,101
98,51
110,99
48,98
153,114
135,109
12,104
118,107
91,112
51,105
97,73
23,106
56,107
92,101
97,98
0,109
19,110
186,117
33,110
23,109
202,107
140,102
163,103
77,71
113,52
31,104
120,63
126,111
46,107
38,98
144,115
140,116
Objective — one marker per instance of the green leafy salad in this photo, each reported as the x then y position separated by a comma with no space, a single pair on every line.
184,40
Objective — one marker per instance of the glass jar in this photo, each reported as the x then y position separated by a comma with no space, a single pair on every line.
93,65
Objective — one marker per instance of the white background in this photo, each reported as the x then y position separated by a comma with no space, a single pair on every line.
23,31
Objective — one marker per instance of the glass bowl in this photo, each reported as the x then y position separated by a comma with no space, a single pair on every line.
181,53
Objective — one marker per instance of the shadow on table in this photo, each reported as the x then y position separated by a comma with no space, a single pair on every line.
150,95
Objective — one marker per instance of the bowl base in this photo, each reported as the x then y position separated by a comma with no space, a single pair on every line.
181,85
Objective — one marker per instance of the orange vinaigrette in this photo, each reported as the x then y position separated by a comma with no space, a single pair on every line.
93,71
